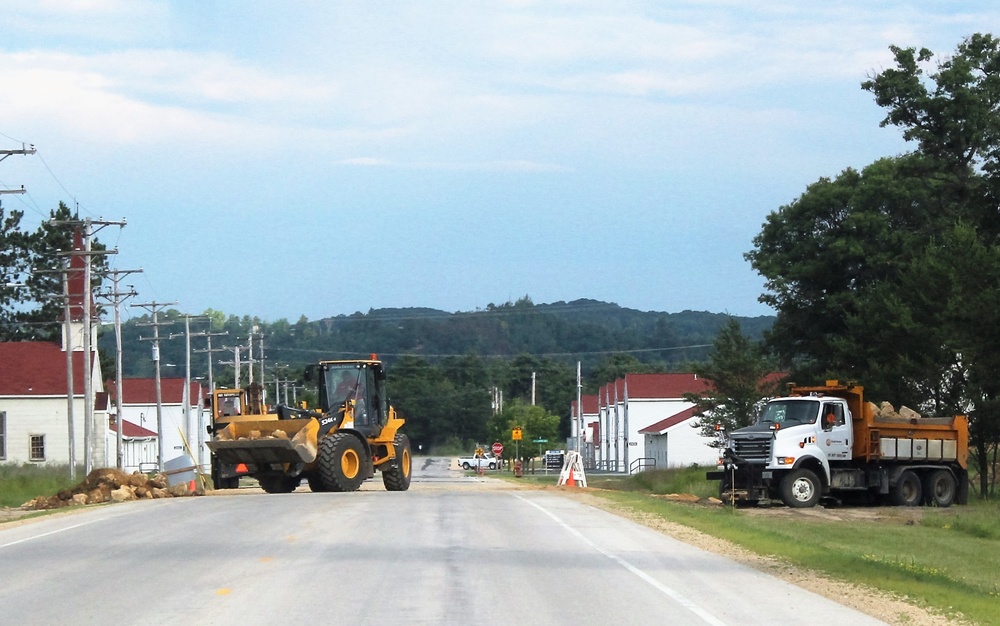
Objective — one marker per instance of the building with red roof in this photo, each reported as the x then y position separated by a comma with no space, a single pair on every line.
644,421
139,408
35,398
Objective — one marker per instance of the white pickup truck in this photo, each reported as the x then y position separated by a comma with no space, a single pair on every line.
475,462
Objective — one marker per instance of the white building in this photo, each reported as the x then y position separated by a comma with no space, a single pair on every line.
644,421
139,408
35,422
34,407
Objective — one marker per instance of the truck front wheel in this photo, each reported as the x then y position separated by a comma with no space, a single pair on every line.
907,491
800,489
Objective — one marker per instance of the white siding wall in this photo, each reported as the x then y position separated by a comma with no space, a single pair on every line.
45,416
687,446
643,413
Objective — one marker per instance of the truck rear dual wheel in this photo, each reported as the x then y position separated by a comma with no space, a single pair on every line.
342,462
397,477
800,489
907,491
940,488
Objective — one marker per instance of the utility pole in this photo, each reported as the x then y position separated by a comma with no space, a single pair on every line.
116,297
208,335
69,372
579,408
154,308
89,427
211,387
7,153
533,389
187,378
237,365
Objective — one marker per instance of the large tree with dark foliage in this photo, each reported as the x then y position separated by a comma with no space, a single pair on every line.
741,375
890,275
31,302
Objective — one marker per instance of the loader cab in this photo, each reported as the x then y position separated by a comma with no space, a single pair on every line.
361,383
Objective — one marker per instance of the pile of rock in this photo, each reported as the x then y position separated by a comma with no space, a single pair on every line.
886,411
112,485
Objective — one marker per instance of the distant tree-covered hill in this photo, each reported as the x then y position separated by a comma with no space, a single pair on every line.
448,372
583,330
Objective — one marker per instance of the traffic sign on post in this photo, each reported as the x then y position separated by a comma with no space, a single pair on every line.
516,434
497,448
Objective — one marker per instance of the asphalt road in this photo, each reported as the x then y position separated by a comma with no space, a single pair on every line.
452,550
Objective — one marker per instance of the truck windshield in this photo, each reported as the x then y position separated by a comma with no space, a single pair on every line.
784,411
344,382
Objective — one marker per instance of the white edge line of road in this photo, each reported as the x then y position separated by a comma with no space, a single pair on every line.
668,591
51,532
60,530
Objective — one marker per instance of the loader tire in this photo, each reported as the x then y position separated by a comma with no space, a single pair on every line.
341,462
316,484
278,483
397,477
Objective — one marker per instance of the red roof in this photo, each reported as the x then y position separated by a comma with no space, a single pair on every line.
143,390
37,368
670,422
664,385
132,430
590,405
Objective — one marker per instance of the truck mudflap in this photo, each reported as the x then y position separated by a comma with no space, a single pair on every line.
267,442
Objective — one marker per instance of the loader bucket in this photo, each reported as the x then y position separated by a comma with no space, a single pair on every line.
267,442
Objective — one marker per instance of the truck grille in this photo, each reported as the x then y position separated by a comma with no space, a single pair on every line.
753,449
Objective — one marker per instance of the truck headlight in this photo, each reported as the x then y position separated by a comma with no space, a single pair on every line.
786,460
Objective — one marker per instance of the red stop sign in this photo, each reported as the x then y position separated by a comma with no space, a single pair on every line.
498,448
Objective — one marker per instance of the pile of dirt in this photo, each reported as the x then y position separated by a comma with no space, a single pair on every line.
112,485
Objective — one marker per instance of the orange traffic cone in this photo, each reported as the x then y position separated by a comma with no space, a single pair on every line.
570,480
192,487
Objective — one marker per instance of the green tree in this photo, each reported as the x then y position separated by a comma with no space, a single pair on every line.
741,377
887,276
14,269
535,423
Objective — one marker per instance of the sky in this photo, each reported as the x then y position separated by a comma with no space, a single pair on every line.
318,158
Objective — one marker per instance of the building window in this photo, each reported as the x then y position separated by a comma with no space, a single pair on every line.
3,435
37,448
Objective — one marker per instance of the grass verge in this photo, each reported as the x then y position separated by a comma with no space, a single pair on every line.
20,483
947,560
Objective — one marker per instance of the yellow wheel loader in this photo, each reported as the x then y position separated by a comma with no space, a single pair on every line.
335,448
